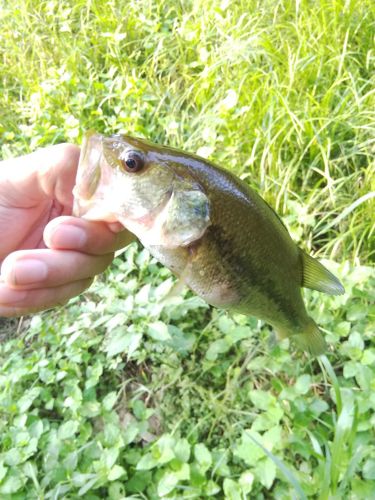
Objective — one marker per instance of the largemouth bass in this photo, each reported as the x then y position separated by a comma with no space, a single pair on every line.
207,226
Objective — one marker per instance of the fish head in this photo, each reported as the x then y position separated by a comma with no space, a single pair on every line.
142,186
119,176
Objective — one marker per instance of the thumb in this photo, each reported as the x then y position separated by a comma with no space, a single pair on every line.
47,173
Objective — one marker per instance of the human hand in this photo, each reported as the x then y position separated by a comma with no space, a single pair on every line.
46,255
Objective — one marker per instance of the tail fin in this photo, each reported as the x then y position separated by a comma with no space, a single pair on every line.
311,339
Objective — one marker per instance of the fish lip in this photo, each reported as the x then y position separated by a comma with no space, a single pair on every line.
92,141
87,141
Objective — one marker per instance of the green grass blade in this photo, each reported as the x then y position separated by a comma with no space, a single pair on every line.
327,367
283,468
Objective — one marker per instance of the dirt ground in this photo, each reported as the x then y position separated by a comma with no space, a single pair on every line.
8,328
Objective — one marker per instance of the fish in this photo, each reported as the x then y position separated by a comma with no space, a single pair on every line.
209,227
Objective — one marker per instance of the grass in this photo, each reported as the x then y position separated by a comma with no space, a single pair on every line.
115,396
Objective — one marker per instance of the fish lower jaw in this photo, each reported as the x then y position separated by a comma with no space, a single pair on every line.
93,211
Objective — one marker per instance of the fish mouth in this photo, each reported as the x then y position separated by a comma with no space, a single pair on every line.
88,173
91,200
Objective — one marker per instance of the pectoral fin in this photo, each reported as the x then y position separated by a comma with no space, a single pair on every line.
185,218
317,277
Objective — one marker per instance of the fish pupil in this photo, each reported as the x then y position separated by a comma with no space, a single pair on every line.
132,162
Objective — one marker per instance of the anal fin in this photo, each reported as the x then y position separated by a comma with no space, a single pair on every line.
317,277
311,339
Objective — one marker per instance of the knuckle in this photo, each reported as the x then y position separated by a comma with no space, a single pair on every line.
68,149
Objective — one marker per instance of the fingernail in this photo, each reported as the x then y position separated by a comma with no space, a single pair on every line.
116,227
11,296
27,271
66,236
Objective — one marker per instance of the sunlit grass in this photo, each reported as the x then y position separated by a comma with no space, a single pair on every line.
279,92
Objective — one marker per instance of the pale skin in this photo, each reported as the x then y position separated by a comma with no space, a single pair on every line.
47,256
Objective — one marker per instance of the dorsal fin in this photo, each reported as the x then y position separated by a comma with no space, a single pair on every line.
317,277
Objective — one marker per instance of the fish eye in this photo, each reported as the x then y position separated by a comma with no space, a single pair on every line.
132,161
